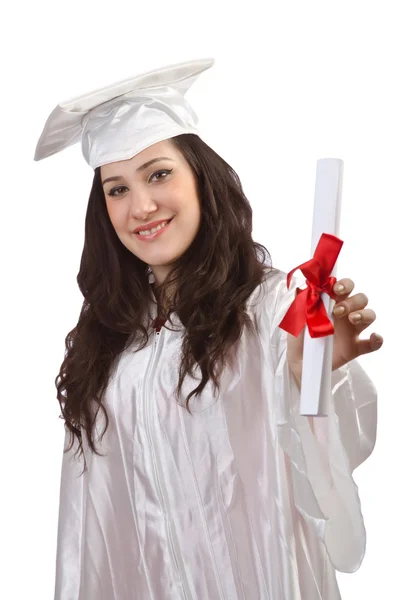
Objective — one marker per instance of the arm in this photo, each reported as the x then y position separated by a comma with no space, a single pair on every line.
322,452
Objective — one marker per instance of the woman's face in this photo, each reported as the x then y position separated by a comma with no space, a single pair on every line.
141,193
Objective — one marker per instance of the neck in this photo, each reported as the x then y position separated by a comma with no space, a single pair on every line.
160,309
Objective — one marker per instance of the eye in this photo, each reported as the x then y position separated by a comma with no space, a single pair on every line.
121,187
166,171
114,190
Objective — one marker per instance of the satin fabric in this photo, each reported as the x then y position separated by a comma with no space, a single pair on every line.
245,499
118,121
308,306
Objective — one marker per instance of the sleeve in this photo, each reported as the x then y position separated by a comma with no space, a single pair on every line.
324,451
70,525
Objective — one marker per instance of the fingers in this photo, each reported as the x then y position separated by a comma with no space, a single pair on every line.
354,308
371,345
350,305
362,318
347,285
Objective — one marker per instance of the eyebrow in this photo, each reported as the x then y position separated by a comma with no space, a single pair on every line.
141,168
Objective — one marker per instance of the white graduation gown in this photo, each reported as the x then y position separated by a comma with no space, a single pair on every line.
240,501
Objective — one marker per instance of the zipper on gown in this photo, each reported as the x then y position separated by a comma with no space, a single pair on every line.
158,324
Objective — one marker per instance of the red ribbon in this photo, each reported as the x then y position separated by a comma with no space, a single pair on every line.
308,307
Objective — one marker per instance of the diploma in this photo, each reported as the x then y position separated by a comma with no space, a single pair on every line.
317,352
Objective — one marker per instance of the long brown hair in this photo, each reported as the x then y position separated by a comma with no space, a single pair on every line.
212,281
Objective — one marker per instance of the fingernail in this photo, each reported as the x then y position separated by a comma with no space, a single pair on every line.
357,317
339,288
378,338
339,310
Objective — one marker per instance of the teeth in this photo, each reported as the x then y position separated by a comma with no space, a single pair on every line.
150,231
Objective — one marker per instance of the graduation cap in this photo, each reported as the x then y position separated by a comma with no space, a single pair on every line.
120,120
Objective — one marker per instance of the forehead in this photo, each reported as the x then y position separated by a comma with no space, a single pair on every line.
163,148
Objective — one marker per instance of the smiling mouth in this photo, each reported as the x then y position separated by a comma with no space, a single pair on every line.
148,232
147,237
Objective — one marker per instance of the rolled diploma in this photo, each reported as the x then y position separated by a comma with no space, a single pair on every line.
317,352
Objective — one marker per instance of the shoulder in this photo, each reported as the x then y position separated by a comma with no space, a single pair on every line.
267,292
271,299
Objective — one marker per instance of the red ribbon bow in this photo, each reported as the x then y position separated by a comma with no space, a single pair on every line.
308,307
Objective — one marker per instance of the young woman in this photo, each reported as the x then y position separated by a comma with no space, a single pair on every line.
193,474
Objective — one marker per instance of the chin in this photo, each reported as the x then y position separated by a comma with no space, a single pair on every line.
161,259
161,263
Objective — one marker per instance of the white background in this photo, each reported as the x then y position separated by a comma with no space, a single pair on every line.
292,82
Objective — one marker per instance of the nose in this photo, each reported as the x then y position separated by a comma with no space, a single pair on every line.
142,203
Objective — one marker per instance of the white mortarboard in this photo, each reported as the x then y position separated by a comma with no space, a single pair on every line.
120,120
